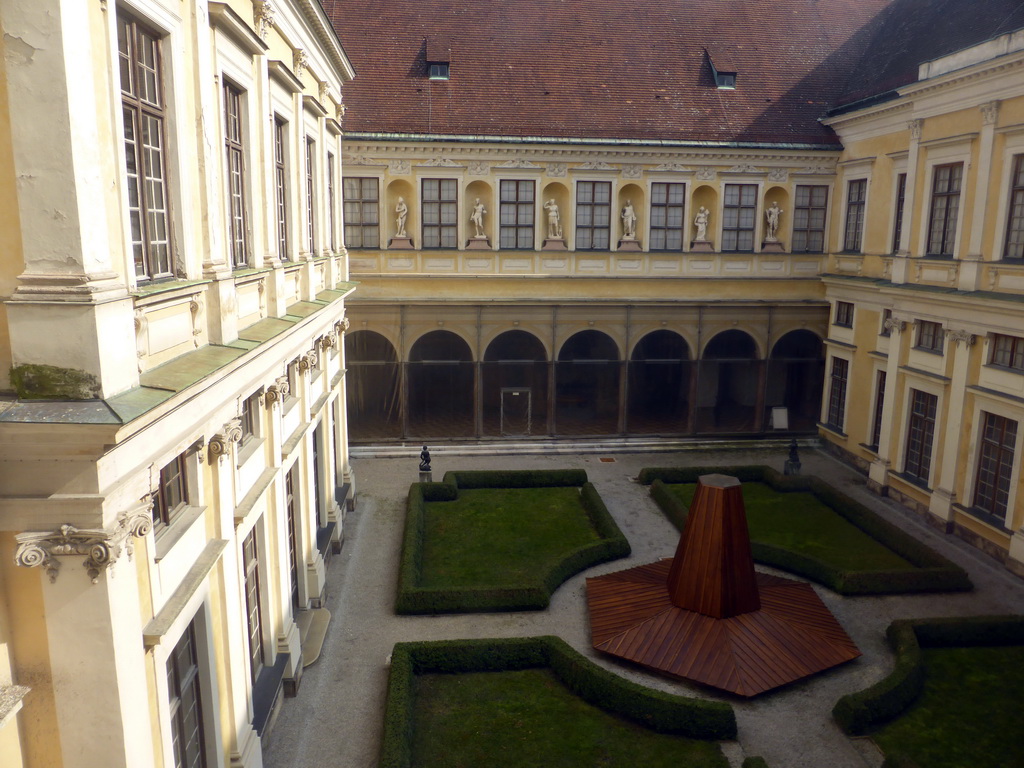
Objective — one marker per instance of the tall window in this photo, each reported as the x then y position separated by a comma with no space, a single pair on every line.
667,221
929,336
237,214
440,213
593,215
1015,219
946,181
291,503
901,196
876,424
809,208
995,464
837,392
253,611
172,493
738,217
330,201
362,213
517,214
856,195
310,195
920,434
144,112
844,314
1007,351
250,416
281,188
186,703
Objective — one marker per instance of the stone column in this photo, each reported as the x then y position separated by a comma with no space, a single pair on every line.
878,472
941,504
970,263
72,292
899,262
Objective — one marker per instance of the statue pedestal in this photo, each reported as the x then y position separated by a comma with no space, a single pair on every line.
480,243
426,477
629,244
554,244
772,246
701,246
401,243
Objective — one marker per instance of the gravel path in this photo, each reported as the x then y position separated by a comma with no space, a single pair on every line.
336,718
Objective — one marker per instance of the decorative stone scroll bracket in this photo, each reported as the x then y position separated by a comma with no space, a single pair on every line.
277,391
263,15
221,442
962,337
895,325
329,341
100,547
309,360
342,326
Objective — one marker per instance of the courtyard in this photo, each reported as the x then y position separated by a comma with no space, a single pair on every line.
337,717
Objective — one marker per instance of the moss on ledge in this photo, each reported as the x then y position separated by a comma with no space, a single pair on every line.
50,382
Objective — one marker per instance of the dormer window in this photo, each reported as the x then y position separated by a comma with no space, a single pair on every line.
439,56
437,70
725,80
722,71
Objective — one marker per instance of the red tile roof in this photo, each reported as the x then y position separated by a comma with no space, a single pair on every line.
602,68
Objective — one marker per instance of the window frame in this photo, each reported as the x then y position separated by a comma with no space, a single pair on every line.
881,376
331,202
734,229
310,163
238,218
172,495
809,210
839,379
1014,356
253,591
855,208
251,416
949,229
178,683
281,186
1003,472
152,266
929,336
594,208
1015,211
517,209
899,211
444,232
843,314
355,205
661,237
919,444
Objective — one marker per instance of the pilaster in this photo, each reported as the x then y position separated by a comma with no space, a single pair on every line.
941,504
970,268
899,263
878,472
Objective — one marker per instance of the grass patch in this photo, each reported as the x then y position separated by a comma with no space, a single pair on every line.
799,522
499,537
966,715
501,541
528,717
842,544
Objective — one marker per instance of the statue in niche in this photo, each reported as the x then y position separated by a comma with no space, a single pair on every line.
478,218
424,460
772,215
701,222
554,220
628,221
402,211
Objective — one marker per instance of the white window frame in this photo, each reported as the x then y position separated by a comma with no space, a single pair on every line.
1013,146
998,408
932,388
943,152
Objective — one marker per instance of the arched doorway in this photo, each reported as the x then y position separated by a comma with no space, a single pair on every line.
796,373
729,384
659,384
440,374
374,402
515,385
587,385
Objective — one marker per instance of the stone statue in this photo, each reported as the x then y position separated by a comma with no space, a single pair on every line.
478,217
628,222
403,211
554,222
701,222
772,215
424,460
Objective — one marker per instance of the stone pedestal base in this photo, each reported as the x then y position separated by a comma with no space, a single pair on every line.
772,247
478,244
701,246
554,244
426,477
629,245
401,243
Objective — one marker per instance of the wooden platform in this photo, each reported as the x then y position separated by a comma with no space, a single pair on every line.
791,636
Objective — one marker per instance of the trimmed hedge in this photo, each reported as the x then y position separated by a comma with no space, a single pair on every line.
535,596
864,711
661,712
932,572
755,762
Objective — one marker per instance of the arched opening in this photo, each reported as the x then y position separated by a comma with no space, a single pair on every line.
729,384
372,381
659,384
440,373
515,385
796,374
587,385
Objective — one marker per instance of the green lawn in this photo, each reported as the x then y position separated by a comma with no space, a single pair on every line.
799,522
527,718
968,715
493,537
